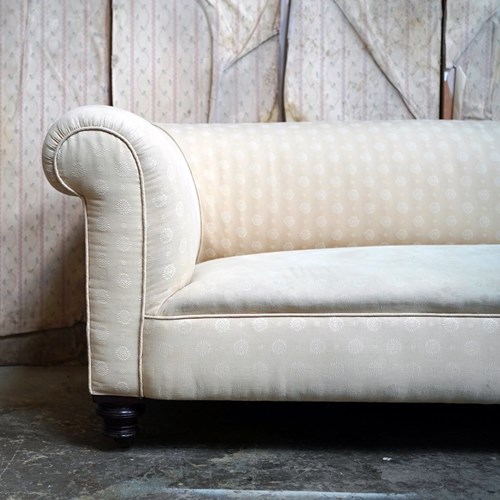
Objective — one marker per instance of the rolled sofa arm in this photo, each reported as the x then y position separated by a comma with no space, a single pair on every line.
128,173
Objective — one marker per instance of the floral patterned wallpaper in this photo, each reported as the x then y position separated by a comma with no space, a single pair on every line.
203,61
54,56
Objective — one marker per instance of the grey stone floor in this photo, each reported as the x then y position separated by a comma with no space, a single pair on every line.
51,447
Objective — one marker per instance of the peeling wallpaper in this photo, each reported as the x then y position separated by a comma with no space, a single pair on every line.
198,61
358,60
473,47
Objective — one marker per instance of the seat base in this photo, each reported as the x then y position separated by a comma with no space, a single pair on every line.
363,358
406,279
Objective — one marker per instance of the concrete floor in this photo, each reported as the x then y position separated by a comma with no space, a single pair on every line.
51,447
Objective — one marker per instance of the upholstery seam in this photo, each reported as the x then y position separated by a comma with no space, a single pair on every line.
135,156
195,187
322,315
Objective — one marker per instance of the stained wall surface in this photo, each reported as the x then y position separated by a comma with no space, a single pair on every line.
197,61
54,56
473,49
358,60
193,61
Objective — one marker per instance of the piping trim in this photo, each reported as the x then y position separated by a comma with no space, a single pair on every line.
87,294
323,315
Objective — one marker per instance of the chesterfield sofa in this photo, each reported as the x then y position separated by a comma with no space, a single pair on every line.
285,261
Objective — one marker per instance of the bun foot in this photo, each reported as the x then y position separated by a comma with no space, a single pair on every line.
119,416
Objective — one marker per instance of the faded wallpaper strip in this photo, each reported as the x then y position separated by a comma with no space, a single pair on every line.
161,59
53,56
473,47
196,61
363,59
245,59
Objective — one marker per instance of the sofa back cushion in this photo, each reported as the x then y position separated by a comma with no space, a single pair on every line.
284,186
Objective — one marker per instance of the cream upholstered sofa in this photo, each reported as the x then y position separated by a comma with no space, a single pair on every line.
305,261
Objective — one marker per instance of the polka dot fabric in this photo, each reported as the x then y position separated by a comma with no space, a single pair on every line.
277,187
157,203
332,358
142,229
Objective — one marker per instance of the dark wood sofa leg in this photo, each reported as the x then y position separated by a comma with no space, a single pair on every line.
119,416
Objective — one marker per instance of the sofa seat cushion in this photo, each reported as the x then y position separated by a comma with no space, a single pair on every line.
418,279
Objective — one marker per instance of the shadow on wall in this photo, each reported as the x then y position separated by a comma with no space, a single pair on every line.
45,347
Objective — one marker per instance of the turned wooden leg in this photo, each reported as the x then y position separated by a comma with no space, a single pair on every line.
119,416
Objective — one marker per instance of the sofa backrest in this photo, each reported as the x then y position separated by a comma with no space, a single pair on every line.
284,186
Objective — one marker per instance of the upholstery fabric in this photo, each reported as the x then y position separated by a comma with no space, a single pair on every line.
410,279
116,161
273,187
363,60
335,358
